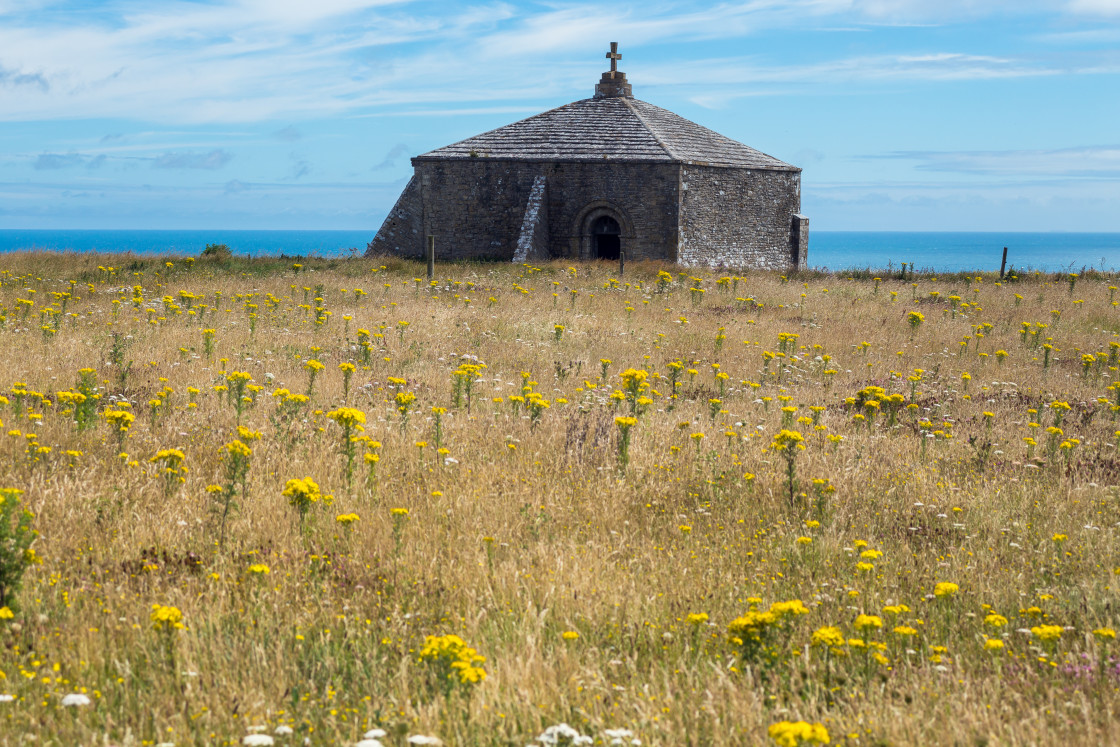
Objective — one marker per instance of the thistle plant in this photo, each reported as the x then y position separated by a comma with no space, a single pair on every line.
347,521
302,495
822,488
452,662
787,443
348,370
944,593
19,395
675,368
1087,361
172,469
914,319
313,368
350,419
625,424
767,356
894,403
463,382
633,382
84,400
761,637
167,622
536,405
236,456
400,517
119,421
404,402
288,410
1059,409
155,407
16,538
237,382
788,413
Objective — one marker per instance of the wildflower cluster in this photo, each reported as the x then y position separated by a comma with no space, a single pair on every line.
452,661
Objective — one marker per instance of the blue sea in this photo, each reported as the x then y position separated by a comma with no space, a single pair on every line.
832,250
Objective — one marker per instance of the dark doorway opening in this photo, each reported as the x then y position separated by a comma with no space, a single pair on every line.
606,238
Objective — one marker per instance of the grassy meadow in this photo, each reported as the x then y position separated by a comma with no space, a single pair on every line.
328,502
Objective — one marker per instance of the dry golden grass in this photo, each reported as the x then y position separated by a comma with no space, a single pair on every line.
524,531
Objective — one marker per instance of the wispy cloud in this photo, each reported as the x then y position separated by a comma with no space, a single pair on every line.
301,167
731,79
208,161
15,78
393,157
215,159
1089,161
51,161
288,134
1096,7
55,161
252,60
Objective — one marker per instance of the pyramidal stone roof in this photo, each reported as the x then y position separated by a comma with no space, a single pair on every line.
612,126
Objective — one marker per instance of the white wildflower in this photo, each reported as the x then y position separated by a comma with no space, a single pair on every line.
619,737
562,734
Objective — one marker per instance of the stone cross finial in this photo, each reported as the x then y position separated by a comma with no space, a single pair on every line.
614,57
613,83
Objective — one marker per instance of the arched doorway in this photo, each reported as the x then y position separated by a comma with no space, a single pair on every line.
603,230
606,238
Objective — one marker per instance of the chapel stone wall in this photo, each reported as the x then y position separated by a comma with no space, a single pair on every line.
475,207
738,217
644,195
402,232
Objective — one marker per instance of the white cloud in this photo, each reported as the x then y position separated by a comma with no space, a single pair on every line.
256,60
717,76
1096,7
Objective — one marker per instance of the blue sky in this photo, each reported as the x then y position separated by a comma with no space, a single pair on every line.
904,114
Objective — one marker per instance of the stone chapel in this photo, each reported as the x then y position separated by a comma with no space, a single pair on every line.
597,177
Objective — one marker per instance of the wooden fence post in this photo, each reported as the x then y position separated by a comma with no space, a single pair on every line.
431,257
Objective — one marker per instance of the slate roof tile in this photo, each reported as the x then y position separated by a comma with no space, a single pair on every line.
615,129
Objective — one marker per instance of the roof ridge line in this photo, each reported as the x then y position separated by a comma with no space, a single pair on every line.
653,133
